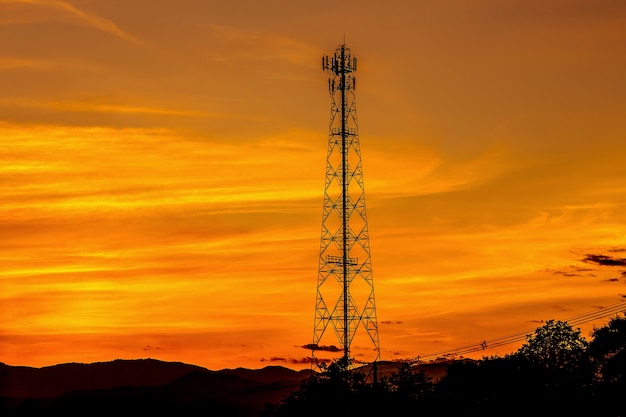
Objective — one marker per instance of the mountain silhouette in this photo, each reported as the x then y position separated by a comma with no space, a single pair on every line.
142,387
52,381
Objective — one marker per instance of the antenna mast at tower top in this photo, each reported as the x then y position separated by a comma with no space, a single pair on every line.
345,287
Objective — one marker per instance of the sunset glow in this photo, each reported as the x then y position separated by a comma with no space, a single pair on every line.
162,170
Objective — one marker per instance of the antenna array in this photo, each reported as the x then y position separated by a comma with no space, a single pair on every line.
345,286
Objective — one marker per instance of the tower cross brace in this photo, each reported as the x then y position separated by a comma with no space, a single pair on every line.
345,302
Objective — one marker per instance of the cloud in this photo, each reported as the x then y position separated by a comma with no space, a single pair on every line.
305,360
604,260
572,271
296,361
260,46
565,274
99,107
13,63
274,359
88,19
617,250
313,346
148,347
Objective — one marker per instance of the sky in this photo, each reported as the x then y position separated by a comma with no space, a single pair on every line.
162,171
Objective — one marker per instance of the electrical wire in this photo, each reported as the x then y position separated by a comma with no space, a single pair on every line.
520,336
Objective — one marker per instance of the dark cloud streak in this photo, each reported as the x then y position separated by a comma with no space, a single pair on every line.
313,346
604,260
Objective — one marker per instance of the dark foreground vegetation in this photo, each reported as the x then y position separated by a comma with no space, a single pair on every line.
142,387
557,372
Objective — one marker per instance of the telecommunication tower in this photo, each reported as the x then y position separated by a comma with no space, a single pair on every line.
345,303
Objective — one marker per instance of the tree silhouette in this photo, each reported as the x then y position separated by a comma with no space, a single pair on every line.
556,362
407,384
555,372
336,391
340,391
607,351
555,345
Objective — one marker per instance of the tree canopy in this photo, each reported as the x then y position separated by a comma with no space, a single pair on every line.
555,372
555,344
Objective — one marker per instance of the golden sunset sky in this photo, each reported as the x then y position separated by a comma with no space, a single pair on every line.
162,168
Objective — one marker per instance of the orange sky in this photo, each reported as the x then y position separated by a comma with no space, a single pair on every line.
162,170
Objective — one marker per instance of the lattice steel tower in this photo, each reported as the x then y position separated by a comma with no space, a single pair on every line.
345,285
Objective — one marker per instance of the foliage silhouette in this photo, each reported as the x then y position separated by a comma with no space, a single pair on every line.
555,372
336,391
607,351
607,355
556,345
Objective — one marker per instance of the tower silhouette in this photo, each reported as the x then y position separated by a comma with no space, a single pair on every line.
345,303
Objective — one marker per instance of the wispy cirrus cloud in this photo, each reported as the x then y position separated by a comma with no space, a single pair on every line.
259,46
17,63
104,107
88,19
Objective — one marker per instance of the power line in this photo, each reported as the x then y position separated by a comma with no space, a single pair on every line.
520,336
